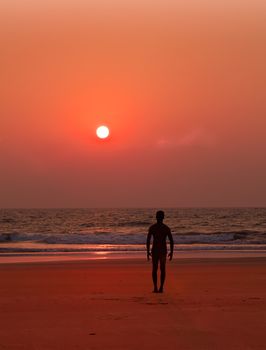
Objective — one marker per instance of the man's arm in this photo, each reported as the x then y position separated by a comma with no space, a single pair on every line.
171,245
148,244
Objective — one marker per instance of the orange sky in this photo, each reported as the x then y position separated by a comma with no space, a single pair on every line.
181,86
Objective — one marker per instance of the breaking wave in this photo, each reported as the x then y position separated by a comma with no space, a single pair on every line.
116,238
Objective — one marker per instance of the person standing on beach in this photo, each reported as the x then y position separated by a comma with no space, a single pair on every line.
159,232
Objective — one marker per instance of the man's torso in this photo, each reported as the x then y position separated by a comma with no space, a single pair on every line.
159,233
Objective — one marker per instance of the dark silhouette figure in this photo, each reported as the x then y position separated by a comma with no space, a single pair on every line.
159,232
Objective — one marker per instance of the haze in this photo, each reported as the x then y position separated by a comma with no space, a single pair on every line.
181,87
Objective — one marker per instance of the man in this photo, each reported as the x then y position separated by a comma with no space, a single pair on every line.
159,232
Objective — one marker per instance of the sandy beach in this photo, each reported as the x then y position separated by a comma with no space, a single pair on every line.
108,304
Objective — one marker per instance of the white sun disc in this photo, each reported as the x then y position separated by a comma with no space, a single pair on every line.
102,132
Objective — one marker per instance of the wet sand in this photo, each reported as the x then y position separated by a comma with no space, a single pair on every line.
108,304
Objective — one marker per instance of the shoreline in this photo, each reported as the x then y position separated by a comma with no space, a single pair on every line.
199,255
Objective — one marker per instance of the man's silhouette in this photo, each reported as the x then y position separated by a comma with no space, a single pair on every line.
159,232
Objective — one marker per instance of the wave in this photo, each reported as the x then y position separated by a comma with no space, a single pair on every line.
127,248
133,223
118,238
7,221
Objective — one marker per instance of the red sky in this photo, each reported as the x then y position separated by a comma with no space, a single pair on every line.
181,86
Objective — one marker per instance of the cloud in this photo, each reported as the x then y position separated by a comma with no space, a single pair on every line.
194,137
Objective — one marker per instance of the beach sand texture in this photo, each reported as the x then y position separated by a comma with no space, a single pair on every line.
108,304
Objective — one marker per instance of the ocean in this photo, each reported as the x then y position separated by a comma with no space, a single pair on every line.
125,230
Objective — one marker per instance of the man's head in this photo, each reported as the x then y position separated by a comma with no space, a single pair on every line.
160,216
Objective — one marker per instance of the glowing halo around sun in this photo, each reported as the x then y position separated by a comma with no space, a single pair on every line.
102,132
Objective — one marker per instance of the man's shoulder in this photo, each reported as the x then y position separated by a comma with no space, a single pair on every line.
159,227
166,227
152,227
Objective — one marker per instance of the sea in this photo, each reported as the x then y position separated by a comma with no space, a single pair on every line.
125,230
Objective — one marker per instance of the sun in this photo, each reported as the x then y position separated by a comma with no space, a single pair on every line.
102,132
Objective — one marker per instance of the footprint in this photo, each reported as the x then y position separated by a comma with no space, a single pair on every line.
159,303
138,299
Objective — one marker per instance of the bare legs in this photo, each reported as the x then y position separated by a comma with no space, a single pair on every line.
162,268
154,274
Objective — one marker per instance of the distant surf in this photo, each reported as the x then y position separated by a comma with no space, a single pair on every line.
81,230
